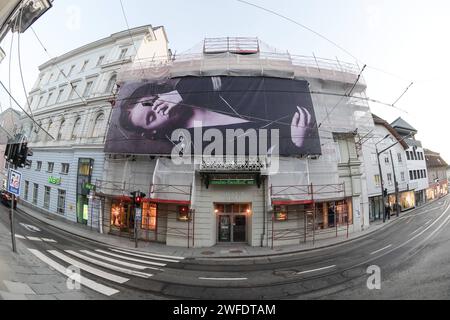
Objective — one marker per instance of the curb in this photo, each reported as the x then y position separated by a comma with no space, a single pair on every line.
253,257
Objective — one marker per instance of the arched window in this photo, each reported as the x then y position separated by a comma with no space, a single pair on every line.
60,130
76,129
98,125
111,84
49,130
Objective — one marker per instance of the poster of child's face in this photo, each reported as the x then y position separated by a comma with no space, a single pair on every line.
147,114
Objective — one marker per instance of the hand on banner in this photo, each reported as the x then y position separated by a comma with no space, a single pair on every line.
166,102
300,125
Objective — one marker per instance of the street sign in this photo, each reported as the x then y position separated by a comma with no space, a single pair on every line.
138,214
14,181
233,182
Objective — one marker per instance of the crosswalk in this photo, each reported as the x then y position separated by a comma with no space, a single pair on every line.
36,239
110,267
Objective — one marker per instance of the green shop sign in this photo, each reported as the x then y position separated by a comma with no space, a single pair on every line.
89,186
53,180
233,182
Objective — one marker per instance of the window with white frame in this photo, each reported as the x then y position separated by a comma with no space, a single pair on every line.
85,63
60,93
377,180
389,178
100,60
39,166
73,92
111,84
399,156
123,53
98,125
61,205
27,186
402,176
65,168
47,193
50,95
71,70
60,130
88,89
35,193
76,129
51,167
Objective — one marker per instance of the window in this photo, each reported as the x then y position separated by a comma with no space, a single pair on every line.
411,175
98,126
61,72
61,206
402,175
111,84
377,180
49,129
123,54
40,101
71,70
73,91
183,213
425,173
50,78
87,90
60,130
415,174
415,155
100,60
374,158
60,93
50,95
281,213
51,166
408,157
65,168
47,193
39,166
35,193
83,68
399,156
386,160
27,186
29,165
76,129
149,216
389,178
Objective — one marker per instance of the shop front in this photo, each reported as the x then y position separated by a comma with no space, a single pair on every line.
232,222
437,190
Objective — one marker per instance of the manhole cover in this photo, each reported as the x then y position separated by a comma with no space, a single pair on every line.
236,251
207,253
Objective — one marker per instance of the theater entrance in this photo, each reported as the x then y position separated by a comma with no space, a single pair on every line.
232,222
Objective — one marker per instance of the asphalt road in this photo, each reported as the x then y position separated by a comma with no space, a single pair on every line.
411,253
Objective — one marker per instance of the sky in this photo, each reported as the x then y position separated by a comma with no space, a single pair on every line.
401,41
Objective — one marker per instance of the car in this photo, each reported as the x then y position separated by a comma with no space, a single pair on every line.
5,199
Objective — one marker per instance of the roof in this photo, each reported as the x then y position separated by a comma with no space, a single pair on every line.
402,124
434,159
391,130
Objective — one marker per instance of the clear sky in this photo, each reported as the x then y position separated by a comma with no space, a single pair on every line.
406,38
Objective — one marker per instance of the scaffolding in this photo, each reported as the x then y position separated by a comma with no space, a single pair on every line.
299,221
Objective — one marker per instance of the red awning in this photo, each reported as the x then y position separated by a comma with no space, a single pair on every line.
290,202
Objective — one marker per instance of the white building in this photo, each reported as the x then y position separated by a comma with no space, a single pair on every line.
9,119
416,162
394,169
290,207
71,100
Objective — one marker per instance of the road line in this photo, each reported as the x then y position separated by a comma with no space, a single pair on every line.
223,279
151,254
144,256
428,222
109,266
34,239
107,291
409,221
48,240
315,270
385,248
132,259
122,263
91,270
416,231
20,237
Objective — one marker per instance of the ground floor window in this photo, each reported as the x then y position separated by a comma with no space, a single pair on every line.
149,211
35,193
27,186
121,214
333,214
47,192
61,205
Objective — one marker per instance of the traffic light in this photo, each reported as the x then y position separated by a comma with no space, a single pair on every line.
385,193
137,197
23,154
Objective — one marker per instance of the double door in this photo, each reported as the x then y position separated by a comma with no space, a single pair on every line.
232,226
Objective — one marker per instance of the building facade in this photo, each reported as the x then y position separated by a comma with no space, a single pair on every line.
437,175
415,155
393,179
71,103
9,120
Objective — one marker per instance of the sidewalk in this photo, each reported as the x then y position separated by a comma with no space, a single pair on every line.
220,251
25,277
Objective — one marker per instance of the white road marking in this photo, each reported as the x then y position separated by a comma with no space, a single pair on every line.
48,240
20,237
428,222
122,263
223,279
409,221
30,227
416,231
385,248
132,259
91,270
110,266
316,270
150,254
144,256
34,239
107,291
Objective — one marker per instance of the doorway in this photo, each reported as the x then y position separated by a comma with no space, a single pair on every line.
232,222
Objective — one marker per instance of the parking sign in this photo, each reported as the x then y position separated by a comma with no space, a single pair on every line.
14,181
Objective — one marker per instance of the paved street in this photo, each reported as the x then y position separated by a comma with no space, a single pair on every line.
411,253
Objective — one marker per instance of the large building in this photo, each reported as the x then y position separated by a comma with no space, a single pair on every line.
315,189
415,159
392,163
71,103
9,120
437,175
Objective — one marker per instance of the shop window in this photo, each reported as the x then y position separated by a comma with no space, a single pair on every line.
281,213
183,213
149,216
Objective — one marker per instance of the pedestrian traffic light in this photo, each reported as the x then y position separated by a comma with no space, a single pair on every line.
385,192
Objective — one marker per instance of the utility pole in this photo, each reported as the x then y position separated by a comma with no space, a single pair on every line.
382,183
397,208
